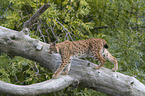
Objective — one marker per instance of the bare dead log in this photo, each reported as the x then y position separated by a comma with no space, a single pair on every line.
103,80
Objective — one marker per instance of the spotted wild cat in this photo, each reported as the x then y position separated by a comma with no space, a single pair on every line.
95,48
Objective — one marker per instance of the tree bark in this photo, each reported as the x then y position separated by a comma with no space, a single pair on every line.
35,89
103,80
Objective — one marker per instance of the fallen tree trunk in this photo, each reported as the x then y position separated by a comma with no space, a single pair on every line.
103,80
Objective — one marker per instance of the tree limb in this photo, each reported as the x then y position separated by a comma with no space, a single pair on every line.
104,27
48,86
101,27
68,33
103,80
36,15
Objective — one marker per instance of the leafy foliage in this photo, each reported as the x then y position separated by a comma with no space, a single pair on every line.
120,23
23,71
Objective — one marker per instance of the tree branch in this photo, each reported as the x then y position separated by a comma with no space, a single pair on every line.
68,33
104,27
104,80
36,15
52,85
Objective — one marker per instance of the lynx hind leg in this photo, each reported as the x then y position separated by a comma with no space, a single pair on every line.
112,59
60,69
101,61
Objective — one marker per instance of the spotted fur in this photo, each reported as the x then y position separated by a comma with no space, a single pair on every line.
95,48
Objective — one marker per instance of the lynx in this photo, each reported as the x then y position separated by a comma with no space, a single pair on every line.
95,48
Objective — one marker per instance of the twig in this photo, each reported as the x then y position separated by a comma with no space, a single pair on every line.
103,27
37,73
53,32
41,34
65,29
17,80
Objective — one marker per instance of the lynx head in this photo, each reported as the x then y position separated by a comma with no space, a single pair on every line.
53,48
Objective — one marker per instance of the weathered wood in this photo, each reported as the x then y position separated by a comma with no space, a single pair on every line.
103,80
48,86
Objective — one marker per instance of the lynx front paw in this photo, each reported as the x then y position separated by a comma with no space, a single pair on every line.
54,76
97,67
64,73
114,69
